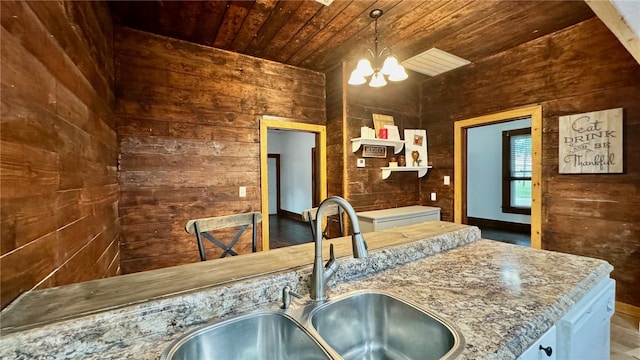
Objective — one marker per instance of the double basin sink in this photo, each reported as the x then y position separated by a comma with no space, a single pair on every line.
361,325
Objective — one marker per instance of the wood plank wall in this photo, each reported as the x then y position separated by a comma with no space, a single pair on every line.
59,185
335,136
579,69
189,137
365,188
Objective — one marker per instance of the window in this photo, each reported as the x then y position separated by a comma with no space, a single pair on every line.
516,171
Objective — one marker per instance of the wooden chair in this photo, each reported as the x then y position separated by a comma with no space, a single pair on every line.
202,227
333,210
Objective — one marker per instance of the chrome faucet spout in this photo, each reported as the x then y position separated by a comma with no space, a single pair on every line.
321,273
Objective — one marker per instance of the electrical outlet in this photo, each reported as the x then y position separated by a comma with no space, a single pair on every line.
447,180
360,163
433,196
242,192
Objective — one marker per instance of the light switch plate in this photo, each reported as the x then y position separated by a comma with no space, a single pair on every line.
447,180
433,196
242,192
360,163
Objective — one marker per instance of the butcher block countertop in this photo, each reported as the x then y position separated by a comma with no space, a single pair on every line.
502,297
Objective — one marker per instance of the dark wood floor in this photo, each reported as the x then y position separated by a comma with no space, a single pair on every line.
506,236
284,231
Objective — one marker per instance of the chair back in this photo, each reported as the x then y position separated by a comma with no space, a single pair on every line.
331,211
202,227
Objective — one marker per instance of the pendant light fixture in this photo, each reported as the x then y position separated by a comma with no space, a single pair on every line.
368,68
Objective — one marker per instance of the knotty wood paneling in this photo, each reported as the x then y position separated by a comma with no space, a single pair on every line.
188,128
59,187
335,140
578,69
335,136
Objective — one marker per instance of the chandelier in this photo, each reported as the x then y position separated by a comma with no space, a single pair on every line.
376,75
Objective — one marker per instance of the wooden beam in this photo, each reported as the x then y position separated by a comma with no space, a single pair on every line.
611,16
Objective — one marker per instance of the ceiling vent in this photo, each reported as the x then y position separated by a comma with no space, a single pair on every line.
434,62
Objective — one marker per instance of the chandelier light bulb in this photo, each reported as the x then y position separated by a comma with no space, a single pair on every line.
356,79
390,65
377,80
364,67
398,74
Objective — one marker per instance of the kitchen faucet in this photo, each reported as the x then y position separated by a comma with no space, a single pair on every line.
321,274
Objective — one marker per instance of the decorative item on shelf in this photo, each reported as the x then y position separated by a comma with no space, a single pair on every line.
393,161
402,160
383,134
415,155
380,121
392,132
367,133
416,146
390,69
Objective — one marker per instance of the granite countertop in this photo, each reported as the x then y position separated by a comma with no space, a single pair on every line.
502,298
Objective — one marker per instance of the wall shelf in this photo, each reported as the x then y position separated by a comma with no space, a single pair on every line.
357,142
422,170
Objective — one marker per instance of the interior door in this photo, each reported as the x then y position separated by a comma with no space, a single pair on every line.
273,164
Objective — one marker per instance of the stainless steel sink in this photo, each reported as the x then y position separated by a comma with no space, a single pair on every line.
364,325
269,335
373,325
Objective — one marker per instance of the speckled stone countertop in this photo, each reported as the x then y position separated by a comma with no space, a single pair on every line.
502,297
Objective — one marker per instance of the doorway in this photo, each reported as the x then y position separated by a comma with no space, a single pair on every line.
269,124
461,129
499,180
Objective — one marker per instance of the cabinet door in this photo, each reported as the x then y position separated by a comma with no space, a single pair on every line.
543,349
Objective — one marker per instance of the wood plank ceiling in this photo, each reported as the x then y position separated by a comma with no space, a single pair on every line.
309,35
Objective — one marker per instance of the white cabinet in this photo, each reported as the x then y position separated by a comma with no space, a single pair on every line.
583,332
543,349
389,218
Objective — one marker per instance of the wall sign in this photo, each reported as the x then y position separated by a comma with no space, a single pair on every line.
591,143
375,151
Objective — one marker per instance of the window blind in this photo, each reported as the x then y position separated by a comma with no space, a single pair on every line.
520,160
516,171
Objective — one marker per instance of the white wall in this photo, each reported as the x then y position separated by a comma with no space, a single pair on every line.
484,172
294,148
